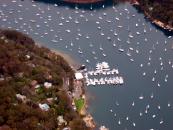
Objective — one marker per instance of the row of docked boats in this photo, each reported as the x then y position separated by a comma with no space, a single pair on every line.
103,75
107,80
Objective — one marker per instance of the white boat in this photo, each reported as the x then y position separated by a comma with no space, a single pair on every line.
104,14
144,73
138,33
101,33
159,107
87,36
128,53
133,104
117,18
130,35
68,30
161,121
119,122
140,114
80,52
108,38
87,61
134,124
104,54
141,97
120,26
117,103
152,96
101,48
153,116
121,49
76,21
132,60
118,39
115,33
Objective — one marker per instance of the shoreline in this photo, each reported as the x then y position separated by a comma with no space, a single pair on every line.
157,22
83,1
71,61
34,90
87,117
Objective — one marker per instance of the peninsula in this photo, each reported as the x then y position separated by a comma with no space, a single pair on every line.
160,12
38,88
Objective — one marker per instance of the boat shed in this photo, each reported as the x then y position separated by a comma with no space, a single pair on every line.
78,76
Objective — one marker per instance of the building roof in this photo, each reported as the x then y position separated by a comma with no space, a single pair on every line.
78,75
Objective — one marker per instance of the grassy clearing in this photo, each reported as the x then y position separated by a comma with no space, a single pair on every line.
79,103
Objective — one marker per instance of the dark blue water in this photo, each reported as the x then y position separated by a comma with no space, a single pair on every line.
70,30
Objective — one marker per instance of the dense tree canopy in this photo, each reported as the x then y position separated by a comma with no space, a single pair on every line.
161,10
24,70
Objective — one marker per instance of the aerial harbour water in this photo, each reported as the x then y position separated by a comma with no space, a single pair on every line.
122,37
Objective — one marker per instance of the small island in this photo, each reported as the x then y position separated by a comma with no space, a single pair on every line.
39,90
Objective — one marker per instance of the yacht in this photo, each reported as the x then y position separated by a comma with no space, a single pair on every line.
97,22
132,60
153,116
117,103
101,48
68,30
141,97
119,122
87,36
140,114
128,53
158,84
76,21
115,33
159,107
117,18
101,33
134,124
152,96
118,39
108,38
138,33
104,14
104,54
137,50
130,35
144,73
133,104
120,49
161,121
169,104
60,24
87,61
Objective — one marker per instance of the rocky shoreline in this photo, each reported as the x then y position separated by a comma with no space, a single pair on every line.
154,21
159,23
